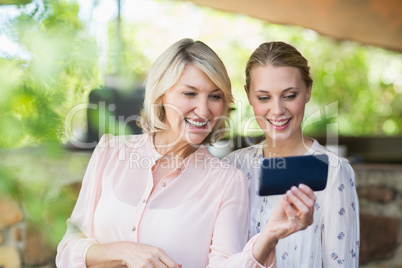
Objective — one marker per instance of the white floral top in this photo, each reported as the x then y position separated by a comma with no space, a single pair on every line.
333,240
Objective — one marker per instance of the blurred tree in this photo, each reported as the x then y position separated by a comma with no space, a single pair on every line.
362,81
37,88
344,72
59,69
15,2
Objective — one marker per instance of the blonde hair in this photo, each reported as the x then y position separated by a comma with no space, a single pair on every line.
278,54
166,71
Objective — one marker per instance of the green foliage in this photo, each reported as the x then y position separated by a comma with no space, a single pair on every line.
37,89
58,70
9,185
344,73
14,2
60,67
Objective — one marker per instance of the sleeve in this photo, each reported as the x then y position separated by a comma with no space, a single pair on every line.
231,229
72,249
340,229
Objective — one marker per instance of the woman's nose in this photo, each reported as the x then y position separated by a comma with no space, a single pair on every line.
277,108
202,109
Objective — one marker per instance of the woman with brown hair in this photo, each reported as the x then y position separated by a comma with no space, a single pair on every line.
278,87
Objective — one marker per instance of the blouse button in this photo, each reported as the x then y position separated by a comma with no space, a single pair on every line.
164,184
144,200
134,229
179,169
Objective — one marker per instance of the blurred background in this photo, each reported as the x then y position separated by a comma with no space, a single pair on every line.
71,71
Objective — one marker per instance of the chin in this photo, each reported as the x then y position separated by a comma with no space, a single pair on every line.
281,137
195,139
196,142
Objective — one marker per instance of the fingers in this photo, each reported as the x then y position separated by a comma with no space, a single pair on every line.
167,261
302,197
148,257
307,191
295,198
290,213
293,213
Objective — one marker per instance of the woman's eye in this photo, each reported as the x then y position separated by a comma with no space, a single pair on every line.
189,94
263,98
216,97
290,97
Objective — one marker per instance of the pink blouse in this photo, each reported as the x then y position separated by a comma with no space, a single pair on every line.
198,213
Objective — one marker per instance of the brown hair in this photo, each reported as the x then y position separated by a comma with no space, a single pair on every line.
278,54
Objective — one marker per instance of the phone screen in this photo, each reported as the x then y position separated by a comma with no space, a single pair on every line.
277,175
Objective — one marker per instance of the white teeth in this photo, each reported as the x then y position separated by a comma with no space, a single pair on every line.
280,123
196,123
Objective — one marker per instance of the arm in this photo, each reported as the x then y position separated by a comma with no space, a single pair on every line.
341,233
127,254
231,228
294,213
78,237
79,248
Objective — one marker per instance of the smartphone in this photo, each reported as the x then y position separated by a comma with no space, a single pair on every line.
277,175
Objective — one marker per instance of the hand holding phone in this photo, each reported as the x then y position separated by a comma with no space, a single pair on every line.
277,175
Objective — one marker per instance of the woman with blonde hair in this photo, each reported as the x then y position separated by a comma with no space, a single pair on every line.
160,199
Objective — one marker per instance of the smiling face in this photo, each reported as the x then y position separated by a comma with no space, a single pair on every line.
192,107
278,96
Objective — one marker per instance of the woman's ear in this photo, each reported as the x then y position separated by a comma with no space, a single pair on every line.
308,96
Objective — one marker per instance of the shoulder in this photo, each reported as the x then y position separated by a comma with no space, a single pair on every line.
334,160
111,146
245,151
339,170
218,168
111,141
244,156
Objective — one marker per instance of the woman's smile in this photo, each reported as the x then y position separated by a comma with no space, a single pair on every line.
279,124
196,123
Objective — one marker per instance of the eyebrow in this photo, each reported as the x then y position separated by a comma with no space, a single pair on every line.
194,88
285,90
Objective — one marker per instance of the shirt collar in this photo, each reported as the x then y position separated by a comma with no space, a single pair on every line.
185,163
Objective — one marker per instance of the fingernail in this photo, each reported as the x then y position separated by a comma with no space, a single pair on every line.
303,186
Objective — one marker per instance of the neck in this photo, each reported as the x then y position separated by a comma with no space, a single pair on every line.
168,147
290,147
